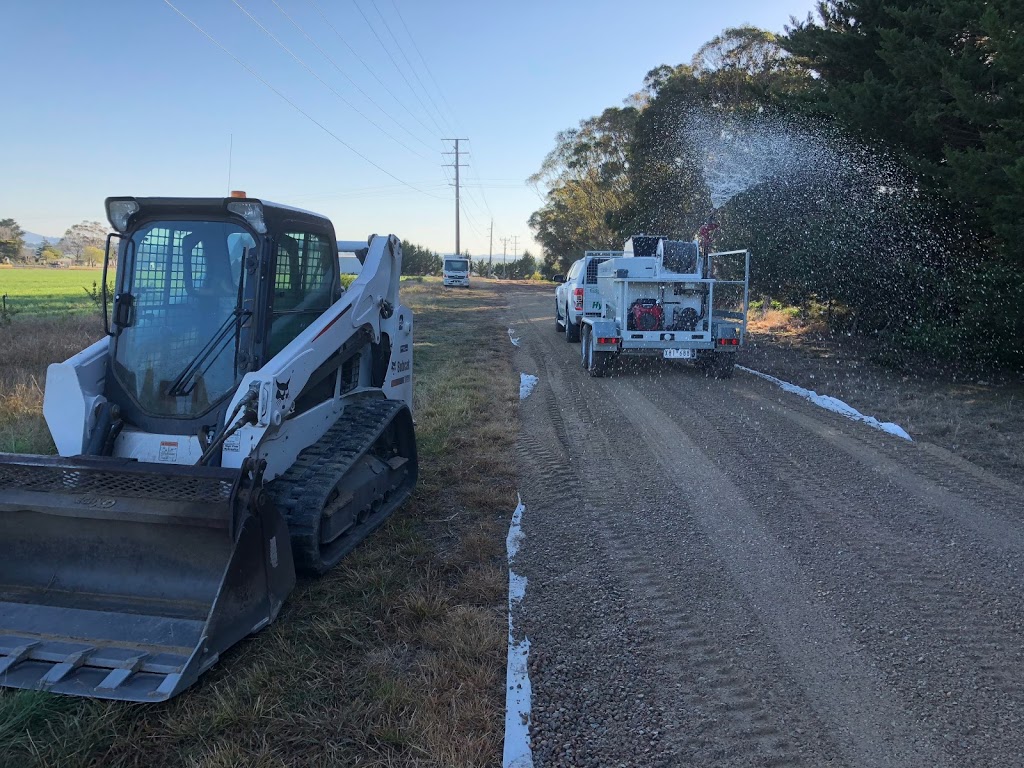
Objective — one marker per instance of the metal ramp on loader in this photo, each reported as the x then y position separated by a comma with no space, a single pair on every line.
125,580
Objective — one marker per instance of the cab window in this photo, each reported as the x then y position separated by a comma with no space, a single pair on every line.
304,285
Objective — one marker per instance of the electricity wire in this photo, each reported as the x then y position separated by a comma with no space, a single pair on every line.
366,66
397,68
323,82
345,74
425,65
401,50
295,106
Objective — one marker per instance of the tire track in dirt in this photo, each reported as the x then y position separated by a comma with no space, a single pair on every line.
581,709
937,604
819,651
715,703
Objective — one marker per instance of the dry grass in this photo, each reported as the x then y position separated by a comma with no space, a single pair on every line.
397,657
27,346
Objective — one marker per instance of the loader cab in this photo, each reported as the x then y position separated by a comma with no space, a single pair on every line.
206,291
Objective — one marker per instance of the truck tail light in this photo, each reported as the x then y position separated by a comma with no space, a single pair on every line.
729,342
577,297
607,340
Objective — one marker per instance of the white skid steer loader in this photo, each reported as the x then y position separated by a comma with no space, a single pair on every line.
244,417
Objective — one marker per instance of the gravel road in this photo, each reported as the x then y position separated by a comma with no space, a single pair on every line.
721,574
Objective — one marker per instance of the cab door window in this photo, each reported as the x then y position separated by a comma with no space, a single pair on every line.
304,285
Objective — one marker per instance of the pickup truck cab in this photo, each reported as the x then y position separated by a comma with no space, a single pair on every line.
576,295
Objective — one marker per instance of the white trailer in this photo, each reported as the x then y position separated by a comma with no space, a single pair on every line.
665,298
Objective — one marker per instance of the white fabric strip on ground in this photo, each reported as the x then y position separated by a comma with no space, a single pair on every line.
833,404
517,753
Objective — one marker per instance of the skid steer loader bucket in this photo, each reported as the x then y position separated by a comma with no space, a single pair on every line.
123,580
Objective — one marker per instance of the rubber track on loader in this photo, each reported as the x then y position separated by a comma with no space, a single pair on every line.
301,492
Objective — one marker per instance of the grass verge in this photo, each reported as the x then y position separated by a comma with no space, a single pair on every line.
397,657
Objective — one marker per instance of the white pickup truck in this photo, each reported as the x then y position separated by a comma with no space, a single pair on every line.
576,294
667,298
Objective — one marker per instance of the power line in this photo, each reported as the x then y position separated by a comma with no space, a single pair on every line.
425,65
472,221
483,192
399,69
401,50
295,106
323,82
345,74
366,66
392,190
476,203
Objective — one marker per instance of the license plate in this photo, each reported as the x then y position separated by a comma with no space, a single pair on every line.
680,354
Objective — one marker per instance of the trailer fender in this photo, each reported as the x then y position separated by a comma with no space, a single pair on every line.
602,328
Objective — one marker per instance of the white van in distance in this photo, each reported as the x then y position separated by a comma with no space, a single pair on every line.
456,271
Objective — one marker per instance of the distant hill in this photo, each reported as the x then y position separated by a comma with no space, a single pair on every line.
33,239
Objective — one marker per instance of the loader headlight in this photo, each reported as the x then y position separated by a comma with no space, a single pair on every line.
252,212
119,211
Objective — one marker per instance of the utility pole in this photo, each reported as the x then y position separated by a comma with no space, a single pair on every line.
515,247
456,165
490,252
504,244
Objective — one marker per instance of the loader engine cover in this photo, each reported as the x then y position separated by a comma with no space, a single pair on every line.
646,315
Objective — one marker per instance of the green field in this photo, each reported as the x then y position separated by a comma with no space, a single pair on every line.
60,292
49,291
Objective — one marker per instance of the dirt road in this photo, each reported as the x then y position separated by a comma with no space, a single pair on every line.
720,574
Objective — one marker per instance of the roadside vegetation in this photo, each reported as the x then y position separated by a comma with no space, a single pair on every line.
869,157
979,418
397,657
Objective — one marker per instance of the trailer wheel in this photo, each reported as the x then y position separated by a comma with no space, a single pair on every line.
595,362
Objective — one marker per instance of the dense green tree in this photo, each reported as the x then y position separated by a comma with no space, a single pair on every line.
587,179
743,66
417,260
12,239
939,79
743,70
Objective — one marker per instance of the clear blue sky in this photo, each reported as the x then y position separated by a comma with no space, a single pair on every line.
125,97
